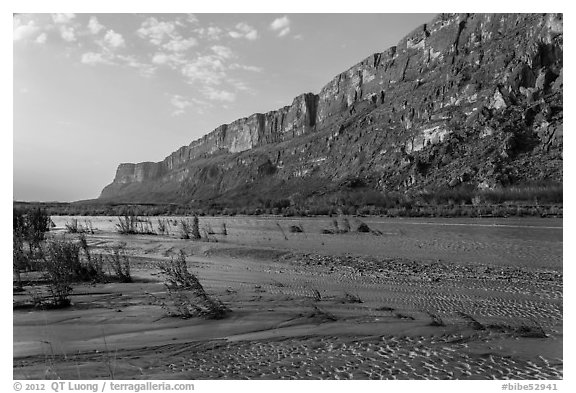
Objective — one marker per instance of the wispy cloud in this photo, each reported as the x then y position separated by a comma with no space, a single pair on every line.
222,51
157,31
180,44
244,30
203,57
93,58
216,94
281,26
68,33
94,26
207,69
114,40
41,39
63,18
212,33
236,66
172,60
180,104
23,31
144,69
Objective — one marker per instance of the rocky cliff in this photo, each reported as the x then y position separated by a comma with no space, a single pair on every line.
471,99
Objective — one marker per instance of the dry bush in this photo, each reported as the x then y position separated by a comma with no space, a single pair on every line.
345,225
62,262
185,229
362,227
128,223
281,230
187,297
195,229
435,319
19,260
74,226
296,228
163,226
119,261
92,268
351,298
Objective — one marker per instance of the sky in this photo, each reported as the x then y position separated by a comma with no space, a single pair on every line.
91,91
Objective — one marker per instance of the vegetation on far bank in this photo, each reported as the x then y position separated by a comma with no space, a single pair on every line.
543,200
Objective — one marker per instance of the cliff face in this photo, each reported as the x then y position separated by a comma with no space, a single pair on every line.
470,98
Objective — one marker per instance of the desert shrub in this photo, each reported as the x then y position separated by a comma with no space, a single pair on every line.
351,298
19,223
281,230
62,262
127,223
145,227
74,226
345,225
435,320
187,297
163,226
185,229
362,227
316,295
38,222
92,268
335,225
31,226
208,237
296,228
195,228
88,227
19,259
119,261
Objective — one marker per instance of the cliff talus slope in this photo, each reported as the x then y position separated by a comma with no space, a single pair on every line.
472,99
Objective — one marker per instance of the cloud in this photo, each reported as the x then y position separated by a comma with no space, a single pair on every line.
191,19
236,66
23,31
180,44
41,39
281,26
145,70
166,35
173,60
180,103
211,32
94,26
63,18
215,94
114,40
93,58
244,30
67,33
222,51
156,32
208,69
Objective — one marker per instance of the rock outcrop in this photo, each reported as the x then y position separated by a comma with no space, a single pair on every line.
467,98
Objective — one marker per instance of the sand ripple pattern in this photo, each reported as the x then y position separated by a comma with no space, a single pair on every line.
386,357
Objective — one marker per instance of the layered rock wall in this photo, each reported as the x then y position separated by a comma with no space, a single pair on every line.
450,74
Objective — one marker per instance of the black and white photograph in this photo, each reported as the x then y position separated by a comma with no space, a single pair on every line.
204,196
